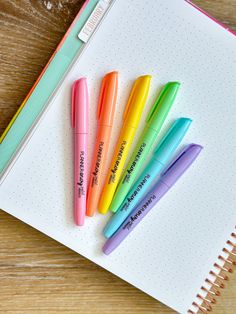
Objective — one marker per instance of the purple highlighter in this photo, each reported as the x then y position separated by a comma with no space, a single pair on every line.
167,180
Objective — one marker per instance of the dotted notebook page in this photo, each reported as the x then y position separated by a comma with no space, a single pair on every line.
172,251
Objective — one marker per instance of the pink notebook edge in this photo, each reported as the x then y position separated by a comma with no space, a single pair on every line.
211,17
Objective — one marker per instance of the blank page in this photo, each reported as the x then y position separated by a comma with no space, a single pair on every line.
172,251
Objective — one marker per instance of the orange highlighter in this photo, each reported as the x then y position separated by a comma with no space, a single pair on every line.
105,116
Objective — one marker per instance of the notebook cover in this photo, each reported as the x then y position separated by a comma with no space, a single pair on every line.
44,87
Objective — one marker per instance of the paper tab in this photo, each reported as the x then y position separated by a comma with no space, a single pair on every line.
93,21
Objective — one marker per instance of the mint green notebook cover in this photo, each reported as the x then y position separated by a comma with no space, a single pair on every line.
44,89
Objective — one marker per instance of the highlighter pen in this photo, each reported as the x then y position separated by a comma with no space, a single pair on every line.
167,180
154,122
161,156
105,115
131,117
80,126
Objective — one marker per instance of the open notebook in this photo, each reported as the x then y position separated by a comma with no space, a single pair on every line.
171,253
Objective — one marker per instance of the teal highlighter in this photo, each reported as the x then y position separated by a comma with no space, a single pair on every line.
162,154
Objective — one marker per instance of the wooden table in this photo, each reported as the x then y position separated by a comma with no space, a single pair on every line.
37,274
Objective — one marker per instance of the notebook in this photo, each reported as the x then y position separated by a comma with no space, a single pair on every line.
173,255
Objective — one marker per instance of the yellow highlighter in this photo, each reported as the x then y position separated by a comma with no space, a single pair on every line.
131,117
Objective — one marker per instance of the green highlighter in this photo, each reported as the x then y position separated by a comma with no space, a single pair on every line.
154,122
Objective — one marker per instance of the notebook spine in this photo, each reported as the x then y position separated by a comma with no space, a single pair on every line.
216,279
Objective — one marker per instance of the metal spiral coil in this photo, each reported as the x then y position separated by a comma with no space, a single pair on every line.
205,302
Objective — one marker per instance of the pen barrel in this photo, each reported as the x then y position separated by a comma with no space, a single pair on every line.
115,170
80,176
135,217
134,166
98,163
141,187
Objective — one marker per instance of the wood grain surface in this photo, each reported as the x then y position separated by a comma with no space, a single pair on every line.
37,274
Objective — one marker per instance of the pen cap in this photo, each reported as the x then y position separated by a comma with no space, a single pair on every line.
162,106
180,164
80,106
171,140
137,99
107,99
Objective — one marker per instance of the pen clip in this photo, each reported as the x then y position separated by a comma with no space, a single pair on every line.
73,96
179,156
155,105
130,100
101,97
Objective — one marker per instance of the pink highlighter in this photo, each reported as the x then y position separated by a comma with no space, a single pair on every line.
80,125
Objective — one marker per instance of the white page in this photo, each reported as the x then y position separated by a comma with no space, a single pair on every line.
172,251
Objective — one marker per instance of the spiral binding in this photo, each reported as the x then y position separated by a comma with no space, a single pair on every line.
204,303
